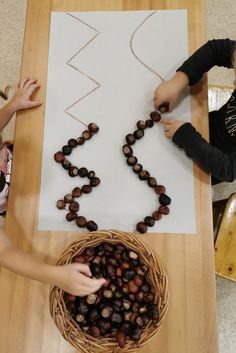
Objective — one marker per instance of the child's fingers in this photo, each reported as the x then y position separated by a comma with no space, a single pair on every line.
29,83
83,269
23,82
32,88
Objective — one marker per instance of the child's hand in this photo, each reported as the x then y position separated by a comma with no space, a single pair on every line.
171,126
23,93
169,91
74,279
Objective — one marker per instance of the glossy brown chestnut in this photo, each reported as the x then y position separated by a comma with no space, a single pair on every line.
164,200
160,189
149,123
76,192
66,150
164,107
127,150
106,311
72,143
143,175
94,181
73,171
132,160
150,221
133,288
91,174
66,164
74,206
93,127
95,331
141,227
80,141
152,182
83,172
86,189
61,204
138,134
141,124
71,216
157,215
137,168
86,134
155,116
68,198
92,226
130,139
164,210
59,157
81,221
121,338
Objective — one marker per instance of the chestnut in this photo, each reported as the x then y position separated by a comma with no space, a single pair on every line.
138,280
59,157
72,143
149,221
95,331
81,221
66,150
137,168
80,259
141,227
138,134
133,255
155,116
127,150
121,338
61,204
80,141
79,318
66,164
160,189
93,128
94,181
91,174
74,206
139,297
91,298
129,274
92,226
164,107
139,321
149,123
83,172
157,215
135,333
71,216
152,182
141,124
76,192
131,161
86,189
86,134
106,311
116,318
133,288
164,210
73,171
130,139
93,315
68,198
143,175
164,200
153,312
126,304
145,287
149,298
107,293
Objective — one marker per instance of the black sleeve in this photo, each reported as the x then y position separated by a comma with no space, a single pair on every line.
221,165
215,52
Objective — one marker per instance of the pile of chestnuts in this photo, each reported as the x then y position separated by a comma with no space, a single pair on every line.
143,174
125,305
68,202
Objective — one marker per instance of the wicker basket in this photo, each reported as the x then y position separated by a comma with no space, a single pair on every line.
70,329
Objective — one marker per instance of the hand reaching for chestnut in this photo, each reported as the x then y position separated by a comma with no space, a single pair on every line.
75,279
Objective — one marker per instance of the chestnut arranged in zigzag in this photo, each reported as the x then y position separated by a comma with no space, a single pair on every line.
143,174
68,202
125,305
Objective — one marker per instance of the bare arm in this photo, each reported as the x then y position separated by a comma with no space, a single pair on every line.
20,100
73,278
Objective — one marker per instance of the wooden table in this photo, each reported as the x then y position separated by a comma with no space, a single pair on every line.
25,324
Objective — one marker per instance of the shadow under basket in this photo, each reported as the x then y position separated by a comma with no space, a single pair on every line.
68,327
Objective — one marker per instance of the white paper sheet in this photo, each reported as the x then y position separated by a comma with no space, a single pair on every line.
123,96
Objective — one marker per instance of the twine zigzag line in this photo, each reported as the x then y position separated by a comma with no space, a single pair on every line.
68,62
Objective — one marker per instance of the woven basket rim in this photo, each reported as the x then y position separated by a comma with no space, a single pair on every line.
71,331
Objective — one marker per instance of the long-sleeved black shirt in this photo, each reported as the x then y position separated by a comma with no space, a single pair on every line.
219,156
